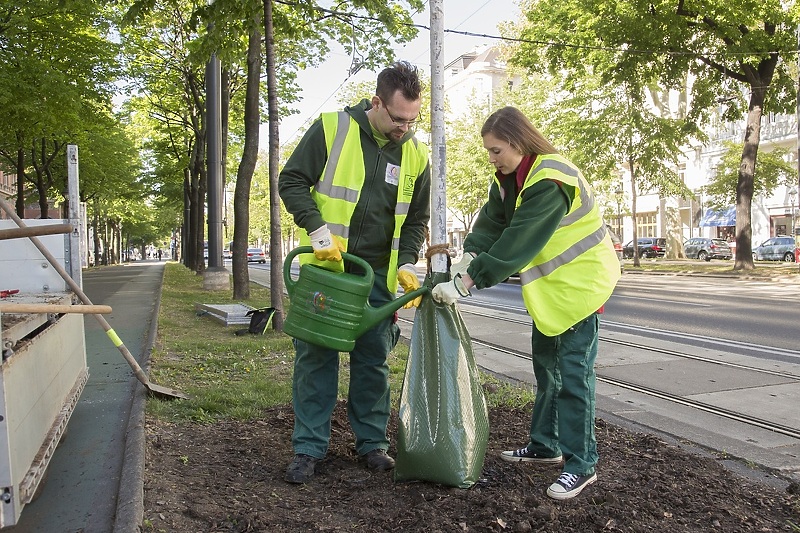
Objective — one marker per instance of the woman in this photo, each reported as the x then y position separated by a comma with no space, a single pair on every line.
541,220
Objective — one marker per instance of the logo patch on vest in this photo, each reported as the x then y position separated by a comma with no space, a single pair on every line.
392,174
408,185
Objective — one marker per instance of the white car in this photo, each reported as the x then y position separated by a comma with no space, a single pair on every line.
256,255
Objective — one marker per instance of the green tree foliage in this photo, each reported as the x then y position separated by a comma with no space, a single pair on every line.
727,49
57,65
468,172
168,42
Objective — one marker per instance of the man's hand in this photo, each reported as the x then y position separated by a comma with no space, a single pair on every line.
327,247
448,293
407,277
460,268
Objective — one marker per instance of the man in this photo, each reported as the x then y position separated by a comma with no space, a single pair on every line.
358,181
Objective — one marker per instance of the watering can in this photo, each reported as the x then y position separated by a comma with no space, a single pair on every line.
332,309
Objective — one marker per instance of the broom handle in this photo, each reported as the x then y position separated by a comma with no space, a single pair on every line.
47,229
137,370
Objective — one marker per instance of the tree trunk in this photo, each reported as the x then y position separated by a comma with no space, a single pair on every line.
244,176
96,235
187,247
275,252
225,109
635,231
745,184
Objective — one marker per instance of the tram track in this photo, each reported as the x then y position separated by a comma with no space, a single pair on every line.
728,414
663,395
631,344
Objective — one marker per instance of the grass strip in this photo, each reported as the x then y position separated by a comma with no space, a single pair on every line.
237,377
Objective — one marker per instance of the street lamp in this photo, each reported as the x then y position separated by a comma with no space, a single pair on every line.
618,194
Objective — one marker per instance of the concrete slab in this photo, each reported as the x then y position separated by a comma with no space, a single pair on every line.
685,377
228,314
728,439
765,401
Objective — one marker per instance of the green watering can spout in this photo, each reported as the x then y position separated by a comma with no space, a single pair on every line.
332,309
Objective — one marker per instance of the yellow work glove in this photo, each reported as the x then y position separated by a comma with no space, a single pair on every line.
407,277
461,266
327,247
447,293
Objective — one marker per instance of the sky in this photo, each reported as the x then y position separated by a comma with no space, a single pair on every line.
473,16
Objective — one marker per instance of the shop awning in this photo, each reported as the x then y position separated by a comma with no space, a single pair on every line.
713,217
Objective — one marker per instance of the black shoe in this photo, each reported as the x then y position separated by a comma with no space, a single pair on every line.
569,485
301,469
379,460
526,456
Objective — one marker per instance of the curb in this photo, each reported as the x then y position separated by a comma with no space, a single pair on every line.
130,496
779,277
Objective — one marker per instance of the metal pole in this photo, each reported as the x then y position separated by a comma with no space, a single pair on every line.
75,239
438,166
213,112
797,117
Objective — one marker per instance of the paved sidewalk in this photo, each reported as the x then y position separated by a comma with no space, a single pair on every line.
94,481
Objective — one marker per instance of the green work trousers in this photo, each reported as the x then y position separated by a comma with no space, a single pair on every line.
563,415
316,378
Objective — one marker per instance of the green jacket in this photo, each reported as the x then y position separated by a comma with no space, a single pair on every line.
372,223
510,236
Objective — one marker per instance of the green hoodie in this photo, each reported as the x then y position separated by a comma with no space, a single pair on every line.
372,223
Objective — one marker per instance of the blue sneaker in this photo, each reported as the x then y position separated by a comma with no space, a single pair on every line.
523,455
569,485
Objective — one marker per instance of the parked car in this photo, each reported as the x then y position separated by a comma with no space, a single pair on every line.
780,248
256,255
227,254
706,249
648,247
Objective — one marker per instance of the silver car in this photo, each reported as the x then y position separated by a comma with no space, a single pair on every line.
706,249
779,248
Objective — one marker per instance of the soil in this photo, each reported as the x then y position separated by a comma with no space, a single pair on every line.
228,477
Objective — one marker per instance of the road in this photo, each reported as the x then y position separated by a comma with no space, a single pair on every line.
697,308
740,314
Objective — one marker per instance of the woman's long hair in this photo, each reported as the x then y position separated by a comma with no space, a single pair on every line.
510,124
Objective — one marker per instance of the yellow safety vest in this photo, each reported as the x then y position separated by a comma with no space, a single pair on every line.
338,189
577,270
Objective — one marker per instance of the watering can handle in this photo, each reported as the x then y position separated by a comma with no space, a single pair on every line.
369,275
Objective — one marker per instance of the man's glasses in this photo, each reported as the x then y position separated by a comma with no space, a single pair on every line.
400,122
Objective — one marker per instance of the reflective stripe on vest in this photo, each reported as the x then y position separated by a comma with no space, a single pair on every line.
339,188
576,271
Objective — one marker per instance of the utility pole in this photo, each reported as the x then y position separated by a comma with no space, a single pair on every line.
438,164
797,116
215,277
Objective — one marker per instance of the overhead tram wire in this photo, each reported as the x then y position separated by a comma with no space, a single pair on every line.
352,72
791,52
514,40
427,50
